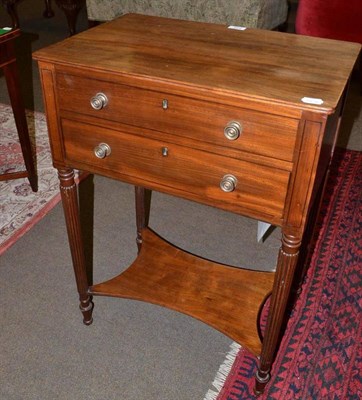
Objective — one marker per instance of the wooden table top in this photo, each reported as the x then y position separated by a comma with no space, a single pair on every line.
254,64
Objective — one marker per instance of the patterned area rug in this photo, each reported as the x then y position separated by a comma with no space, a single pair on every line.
20,208
320,355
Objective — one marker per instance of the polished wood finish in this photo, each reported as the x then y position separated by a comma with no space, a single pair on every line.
8,64
172,87
171,277
193,119
262,66
198,180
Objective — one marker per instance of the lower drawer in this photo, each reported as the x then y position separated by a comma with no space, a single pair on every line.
259,191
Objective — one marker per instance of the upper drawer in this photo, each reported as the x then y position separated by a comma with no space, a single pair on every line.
264,134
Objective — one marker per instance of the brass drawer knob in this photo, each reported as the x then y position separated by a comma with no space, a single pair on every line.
99,101
228,183
232,130
102,150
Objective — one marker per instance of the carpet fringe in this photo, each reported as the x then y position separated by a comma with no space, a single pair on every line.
223,372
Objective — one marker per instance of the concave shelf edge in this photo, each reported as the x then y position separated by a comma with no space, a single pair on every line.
224,297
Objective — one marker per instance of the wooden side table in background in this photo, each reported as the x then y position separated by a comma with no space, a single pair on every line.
9,65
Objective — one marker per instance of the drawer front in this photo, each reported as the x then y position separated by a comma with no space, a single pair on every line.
260,191
264,134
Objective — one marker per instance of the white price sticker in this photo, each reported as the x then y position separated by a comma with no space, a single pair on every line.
312,100
237,28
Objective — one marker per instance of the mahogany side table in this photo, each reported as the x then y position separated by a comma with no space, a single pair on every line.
9,66
242,120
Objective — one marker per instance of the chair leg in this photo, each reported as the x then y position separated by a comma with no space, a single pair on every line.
11,6
12,81
48,12
71,10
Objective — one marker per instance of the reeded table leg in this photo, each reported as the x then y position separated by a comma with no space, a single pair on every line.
68,190
287,260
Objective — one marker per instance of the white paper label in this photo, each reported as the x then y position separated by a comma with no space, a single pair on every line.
237,28
312,100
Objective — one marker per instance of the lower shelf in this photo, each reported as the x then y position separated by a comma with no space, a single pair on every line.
224,297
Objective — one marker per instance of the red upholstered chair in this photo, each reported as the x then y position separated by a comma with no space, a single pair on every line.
334,19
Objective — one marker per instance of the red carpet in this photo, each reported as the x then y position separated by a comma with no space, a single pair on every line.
320,355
